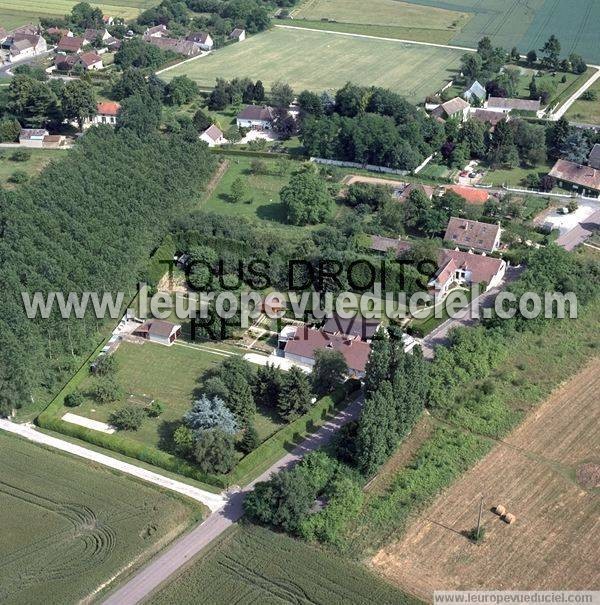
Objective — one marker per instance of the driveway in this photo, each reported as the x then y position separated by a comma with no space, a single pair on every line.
165,565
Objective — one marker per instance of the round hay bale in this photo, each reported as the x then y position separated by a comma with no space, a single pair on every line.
509,518
499,510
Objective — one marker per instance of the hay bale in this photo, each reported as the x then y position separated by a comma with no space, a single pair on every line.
499,510
509,518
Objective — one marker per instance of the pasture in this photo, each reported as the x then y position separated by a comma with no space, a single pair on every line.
318,61
527,25
32,166
70,529
586,112
30,11
251,564
546,473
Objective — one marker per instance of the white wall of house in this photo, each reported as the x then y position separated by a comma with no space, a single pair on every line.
254,124
101,119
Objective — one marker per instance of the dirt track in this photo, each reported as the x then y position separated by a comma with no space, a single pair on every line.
555,540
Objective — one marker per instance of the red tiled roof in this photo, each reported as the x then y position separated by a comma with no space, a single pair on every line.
108,108
482,268
70,43
471,194
471,234
308,340
90,58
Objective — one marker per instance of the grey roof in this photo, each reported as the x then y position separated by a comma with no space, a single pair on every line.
383,244
20,45
29,133
256,112
200,37
475,89
237,32
518,104
357,326
594,158
213,132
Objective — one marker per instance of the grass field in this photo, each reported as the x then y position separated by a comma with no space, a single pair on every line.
30,11
68,527
39,158
318,61
527,25
254,565
544,474
586,112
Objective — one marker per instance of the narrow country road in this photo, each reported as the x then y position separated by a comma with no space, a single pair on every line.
213,501
180,552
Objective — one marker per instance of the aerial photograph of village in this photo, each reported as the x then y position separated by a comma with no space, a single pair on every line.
300,302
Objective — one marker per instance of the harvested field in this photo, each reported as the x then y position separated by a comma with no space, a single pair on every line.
534,473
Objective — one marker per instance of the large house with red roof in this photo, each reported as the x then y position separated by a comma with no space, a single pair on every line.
106,113
473,235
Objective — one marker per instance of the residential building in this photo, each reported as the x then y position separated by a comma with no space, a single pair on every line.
91,35
256,117
176,45
300,343
106,113
158,31
357,328
66,62
90,61
238,34
507,105
580,233
71,44
476,90
159,331
202,40
487,116
594,157
454,108
213,135
32,137
456,268
480,237
53,141
59,31
404,194
23,46
385,244
583,179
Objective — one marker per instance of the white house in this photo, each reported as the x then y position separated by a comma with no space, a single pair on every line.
238,34
90,61
256,117
106,113
212,136
159,331
32,137
24,46
158,31
201,39
454,108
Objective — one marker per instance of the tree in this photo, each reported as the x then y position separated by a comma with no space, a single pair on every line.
556,136
154,409
350,100
258,166
578,65
268,386
416,209
184,440
209,413
575,147
85,16
33,103
329,371
250,441
365,194
285,123
74,399
473,134
531,58
551,52
131,82
181,90
201,121
141,55
248,94
106,365
239,190
9,130
294,396
310,103
78,101
107,390
218,98
128,418
471,65
282,94
140,113
306,199
214,451
259,92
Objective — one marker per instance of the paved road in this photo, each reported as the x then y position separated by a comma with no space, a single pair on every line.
178,554
6,67
468,316
213,501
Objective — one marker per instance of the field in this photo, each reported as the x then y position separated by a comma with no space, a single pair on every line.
547,473
39,158
586,112
254,565
318,61
70,528
527,25
30,11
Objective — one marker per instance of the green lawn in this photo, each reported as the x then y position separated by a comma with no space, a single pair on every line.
39,158
587,112
318,61
513,176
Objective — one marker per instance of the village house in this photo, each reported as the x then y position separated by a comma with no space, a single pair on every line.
59,31
106,113
508,105
256,117
71,44
201,39
238,34
454,108
300,343
212,136
90,61
53,141
32,137
176,45
594,157
159,331
385,244
23,46
357,328
489,117
91,35
473,235
404,194
476,90
158,31
65,62
456,268
583,179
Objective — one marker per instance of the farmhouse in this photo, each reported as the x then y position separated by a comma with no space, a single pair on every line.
158,31
507,105
23,46
212,136
32,137
106,113
583,179
454,108
384,244
90,61
594,157
456,268
91,35
256,117
487,116
176,45
159,331
476,90
481,237
238,34
300,343
356,328
71,44
202,40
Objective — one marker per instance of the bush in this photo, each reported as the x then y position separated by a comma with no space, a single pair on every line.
107,390
154,409
74,399
214,451
589,95
20,155
105,365
250,440
128,418
18,176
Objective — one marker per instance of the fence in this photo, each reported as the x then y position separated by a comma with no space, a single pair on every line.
370,167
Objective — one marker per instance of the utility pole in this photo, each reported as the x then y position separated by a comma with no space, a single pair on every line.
479,519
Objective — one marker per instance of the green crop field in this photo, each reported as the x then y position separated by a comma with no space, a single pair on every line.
29,11
68,528
527,25
254,565
319,60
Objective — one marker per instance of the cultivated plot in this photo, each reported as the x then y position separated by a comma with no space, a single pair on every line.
318,61
547,474
69,528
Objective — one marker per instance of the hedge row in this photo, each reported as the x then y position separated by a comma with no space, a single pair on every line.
249,153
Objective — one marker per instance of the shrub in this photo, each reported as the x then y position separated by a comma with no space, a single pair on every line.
74,399
105,365
20,155
184,440
154,409
589,95
18,176
250,440
128,418
107,390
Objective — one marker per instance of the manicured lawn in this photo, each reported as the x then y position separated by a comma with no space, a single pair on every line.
586,112
39,158
318,61
513,176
